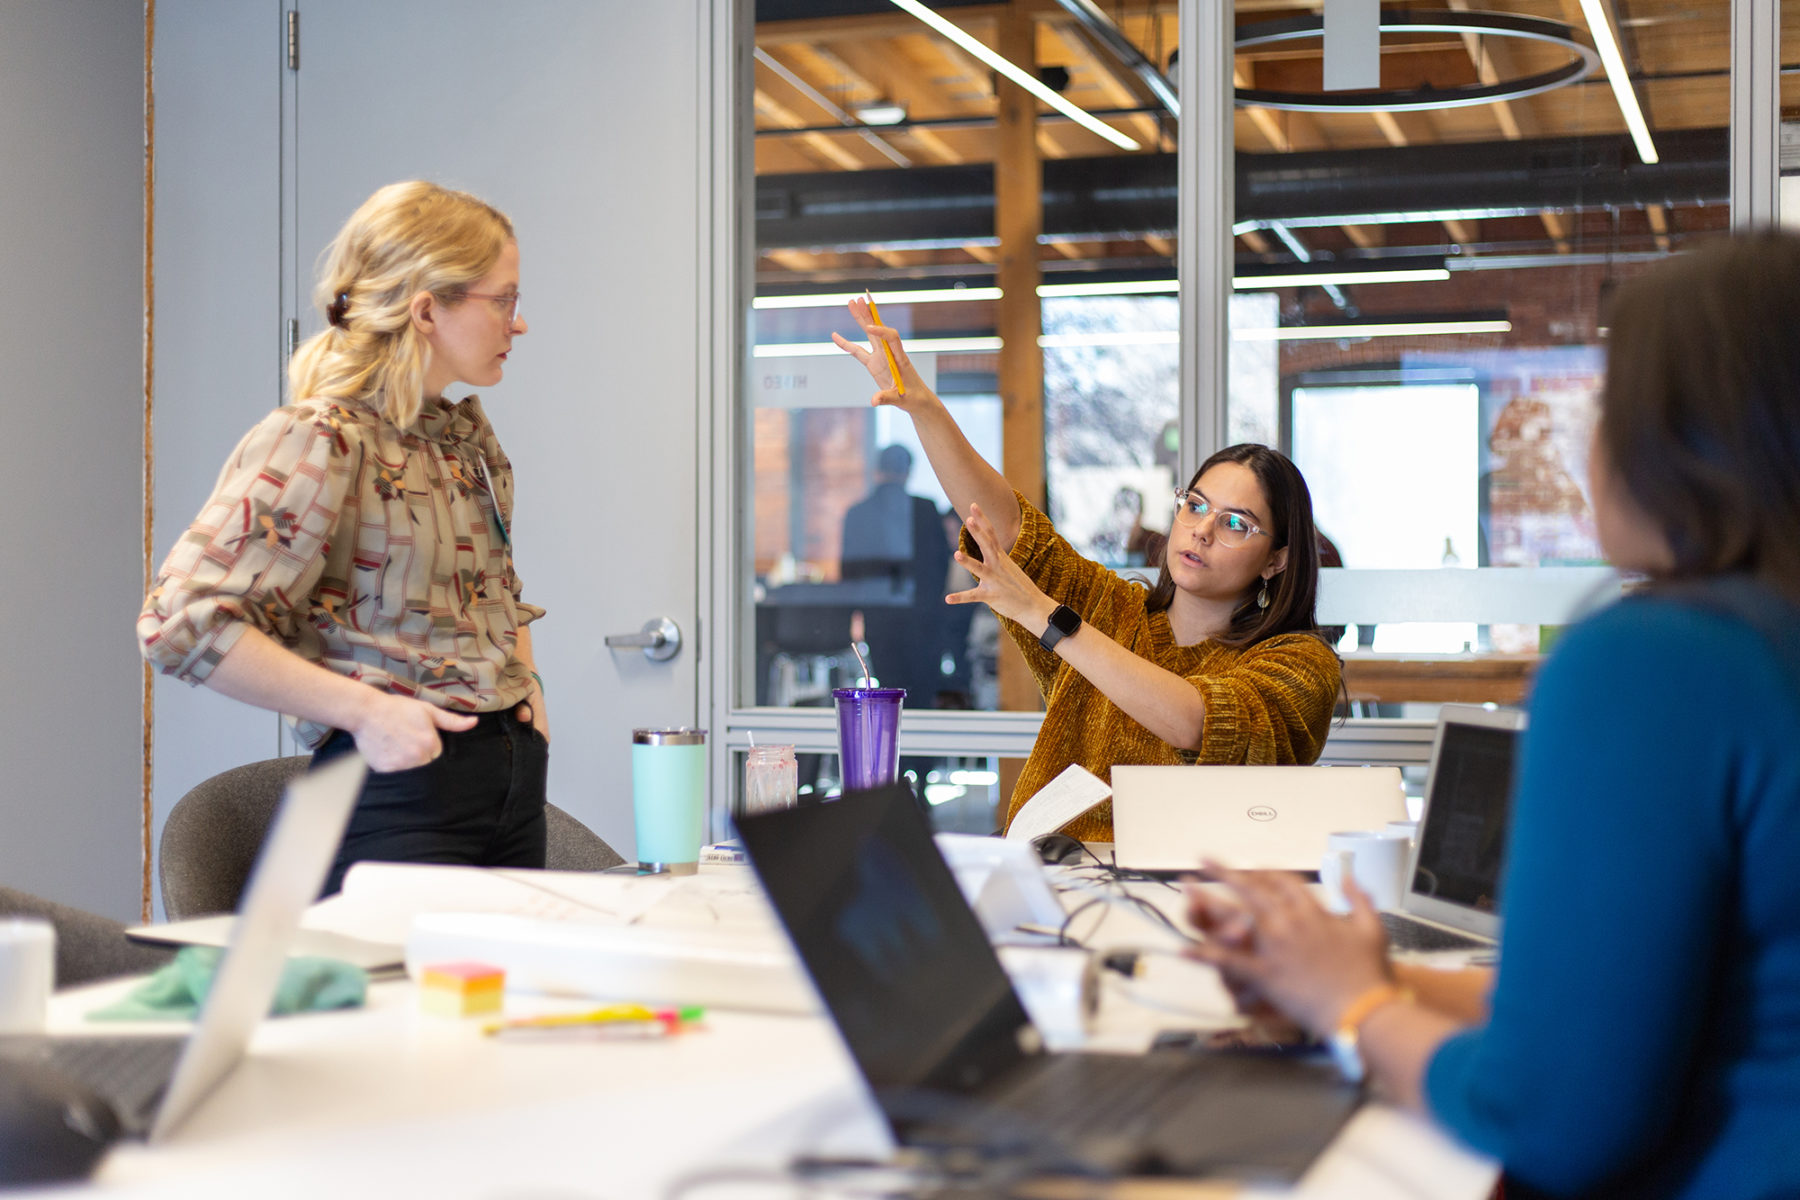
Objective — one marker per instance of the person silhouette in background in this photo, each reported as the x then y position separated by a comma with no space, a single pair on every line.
894,535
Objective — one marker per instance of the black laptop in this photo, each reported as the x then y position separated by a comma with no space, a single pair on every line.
935,1027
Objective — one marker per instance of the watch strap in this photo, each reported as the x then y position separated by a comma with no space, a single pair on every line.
1063,622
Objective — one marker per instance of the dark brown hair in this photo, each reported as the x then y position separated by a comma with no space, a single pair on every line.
1294,590
1700,415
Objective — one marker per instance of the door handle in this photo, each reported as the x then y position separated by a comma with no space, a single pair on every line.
659,639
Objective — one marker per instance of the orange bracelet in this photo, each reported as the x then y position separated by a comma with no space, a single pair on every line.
1344,1044
1364,1006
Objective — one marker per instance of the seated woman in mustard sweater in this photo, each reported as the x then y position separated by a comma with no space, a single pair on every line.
1220,662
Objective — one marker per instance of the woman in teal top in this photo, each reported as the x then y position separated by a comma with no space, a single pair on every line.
1642,1034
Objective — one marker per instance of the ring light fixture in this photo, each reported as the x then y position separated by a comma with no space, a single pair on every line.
1583,59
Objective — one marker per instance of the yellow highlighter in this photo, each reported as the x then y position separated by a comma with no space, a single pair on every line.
893,366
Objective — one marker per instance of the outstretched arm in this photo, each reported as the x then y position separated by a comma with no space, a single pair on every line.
965,476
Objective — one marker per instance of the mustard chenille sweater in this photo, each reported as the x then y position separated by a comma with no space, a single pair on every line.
1266,703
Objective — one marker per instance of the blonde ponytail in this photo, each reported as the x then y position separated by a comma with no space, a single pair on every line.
405,239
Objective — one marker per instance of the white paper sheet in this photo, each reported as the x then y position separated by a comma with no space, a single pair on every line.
1057,803
380,900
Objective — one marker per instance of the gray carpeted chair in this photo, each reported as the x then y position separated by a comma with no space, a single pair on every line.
88,946
212,835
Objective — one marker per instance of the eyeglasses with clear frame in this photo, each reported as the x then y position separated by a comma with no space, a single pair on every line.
508,303
1229,528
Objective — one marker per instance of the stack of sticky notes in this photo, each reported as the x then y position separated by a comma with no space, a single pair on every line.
461,989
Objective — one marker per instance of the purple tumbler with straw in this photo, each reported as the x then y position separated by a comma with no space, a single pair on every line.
868,735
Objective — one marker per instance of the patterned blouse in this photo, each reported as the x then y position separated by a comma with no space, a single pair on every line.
379,553
1266,703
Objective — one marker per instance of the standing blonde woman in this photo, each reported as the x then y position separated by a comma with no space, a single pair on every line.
353,566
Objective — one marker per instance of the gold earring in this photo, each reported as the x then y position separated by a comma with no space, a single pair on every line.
1262,597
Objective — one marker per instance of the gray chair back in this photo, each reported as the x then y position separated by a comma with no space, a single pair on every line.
571,846
88,946
211,838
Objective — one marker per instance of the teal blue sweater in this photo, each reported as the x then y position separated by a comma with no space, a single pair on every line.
1645,1033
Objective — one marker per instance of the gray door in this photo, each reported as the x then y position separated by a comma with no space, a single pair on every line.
582,121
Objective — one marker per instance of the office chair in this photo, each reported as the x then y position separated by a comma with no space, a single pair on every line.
88,946
210,841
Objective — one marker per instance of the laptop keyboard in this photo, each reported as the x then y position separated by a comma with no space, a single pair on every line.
1404,933
1093,1093
131,1072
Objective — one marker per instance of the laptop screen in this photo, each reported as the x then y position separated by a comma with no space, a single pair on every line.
1462,843
897,956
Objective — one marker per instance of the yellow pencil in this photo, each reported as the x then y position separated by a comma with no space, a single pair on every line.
892,365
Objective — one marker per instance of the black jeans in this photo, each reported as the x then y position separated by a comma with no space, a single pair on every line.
479,803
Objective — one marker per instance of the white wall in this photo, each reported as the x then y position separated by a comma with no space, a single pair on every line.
71,220
219,355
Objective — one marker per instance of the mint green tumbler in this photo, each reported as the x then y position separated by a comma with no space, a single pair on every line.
668,798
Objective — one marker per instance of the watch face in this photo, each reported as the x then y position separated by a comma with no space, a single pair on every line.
1065,619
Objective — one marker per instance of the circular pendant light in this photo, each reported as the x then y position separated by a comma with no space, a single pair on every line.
1581,64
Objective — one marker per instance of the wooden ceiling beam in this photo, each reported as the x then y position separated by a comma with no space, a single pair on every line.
1162,245
798,261
1557,226
829,73
897,78
1254,239
821,144
1114,91
865,27
1659,225
1493,62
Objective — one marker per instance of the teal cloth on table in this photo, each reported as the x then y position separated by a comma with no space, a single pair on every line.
175,992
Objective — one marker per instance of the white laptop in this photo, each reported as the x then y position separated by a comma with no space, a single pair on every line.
154,1083
1168,819
1452,900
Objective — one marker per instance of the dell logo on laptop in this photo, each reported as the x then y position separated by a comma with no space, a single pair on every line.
1261,812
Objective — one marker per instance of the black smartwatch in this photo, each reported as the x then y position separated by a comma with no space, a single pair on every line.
1063,622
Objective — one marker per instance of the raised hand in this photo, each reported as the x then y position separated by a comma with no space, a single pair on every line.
875,360
999,582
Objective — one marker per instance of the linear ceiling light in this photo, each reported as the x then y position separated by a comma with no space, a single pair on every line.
1428,215
1368,329
980,50
839,299
1127,287
1607,43
952,345
1251,283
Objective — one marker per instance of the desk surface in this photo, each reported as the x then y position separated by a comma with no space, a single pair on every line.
389,1101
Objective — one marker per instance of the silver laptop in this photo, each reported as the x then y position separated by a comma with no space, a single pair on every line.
1167,819
1452,901
154,1083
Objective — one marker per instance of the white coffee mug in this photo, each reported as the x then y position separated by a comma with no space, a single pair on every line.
1376,860
27,973
1405,829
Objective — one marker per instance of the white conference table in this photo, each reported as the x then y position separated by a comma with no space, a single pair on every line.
387,1101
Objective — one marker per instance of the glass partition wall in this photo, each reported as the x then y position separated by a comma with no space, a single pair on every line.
1410,300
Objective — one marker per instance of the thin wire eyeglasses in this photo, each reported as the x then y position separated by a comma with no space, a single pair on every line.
508,302
1231,529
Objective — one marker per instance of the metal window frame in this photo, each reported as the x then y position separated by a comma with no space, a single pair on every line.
1204,257
1755,114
